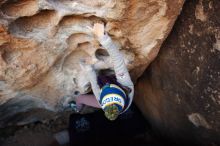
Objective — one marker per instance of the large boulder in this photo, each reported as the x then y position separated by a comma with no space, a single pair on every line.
179,93
42,42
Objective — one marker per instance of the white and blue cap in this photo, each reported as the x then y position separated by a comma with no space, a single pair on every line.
112,94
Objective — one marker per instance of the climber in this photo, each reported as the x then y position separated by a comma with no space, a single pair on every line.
115,97
116,93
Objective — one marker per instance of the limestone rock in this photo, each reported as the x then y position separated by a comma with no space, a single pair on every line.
180,92
42,42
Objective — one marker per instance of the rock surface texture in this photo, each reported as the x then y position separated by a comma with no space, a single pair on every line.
42,42
180,92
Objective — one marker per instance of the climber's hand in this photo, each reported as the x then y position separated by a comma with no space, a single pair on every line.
85,67
89,72
98,30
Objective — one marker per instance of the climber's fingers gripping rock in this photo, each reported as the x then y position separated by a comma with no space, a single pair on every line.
98,30
85,66
90,74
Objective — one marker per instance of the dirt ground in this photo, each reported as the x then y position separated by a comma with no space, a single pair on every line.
35,134
40,133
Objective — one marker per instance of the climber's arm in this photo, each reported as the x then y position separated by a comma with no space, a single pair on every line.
121,71
91,75
120,68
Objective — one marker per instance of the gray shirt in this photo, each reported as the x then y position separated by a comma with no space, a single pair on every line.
121,72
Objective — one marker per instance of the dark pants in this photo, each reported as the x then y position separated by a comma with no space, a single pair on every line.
96,129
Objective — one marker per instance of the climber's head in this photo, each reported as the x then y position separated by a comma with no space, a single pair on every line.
111,112
112,100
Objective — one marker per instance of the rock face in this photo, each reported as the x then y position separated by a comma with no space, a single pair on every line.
180,92
42,42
